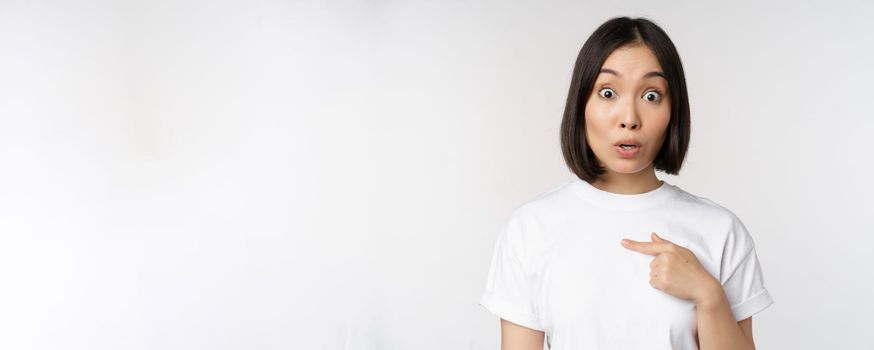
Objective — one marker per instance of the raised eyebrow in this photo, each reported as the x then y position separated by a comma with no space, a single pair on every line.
645,76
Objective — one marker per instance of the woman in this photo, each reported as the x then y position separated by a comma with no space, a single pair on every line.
573,263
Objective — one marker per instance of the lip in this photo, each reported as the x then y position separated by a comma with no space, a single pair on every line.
627,142
627,153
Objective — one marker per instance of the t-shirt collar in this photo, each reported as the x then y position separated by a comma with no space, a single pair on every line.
622,201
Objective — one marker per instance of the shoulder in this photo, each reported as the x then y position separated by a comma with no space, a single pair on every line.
548,202
531,225
706,208
718,217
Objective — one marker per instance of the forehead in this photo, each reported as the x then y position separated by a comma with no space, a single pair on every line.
632,63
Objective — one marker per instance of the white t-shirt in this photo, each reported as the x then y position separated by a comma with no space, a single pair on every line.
558,267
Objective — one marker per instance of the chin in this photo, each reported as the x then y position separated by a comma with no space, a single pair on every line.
627,167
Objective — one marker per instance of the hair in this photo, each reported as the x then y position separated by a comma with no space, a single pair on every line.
613,34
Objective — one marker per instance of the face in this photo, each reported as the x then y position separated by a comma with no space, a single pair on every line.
629,104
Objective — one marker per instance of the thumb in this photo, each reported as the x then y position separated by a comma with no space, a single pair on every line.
657,238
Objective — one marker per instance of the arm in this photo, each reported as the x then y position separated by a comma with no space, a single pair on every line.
717,329
516,337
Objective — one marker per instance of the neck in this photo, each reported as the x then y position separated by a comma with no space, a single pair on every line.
636,183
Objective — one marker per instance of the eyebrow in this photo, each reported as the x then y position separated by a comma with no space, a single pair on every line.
647,75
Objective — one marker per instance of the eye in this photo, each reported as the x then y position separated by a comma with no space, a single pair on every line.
608,91
653,96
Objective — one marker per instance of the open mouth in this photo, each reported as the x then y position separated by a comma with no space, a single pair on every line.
627,151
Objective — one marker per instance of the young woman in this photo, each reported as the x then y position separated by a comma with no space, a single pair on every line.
616,258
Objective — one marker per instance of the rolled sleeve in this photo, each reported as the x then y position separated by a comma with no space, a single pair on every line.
508,293
742,277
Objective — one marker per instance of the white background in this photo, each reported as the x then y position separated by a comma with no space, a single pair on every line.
333,175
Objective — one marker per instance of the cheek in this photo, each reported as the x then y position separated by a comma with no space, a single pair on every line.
595,133
596,121
664,119
659,131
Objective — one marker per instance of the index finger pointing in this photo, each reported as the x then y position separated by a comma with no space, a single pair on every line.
642,247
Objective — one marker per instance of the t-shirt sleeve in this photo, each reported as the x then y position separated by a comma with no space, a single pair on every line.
510,283
741,274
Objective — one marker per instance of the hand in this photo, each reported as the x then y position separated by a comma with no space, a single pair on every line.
675,270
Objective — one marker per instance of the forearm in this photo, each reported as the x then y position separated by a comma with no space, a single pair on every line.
717,328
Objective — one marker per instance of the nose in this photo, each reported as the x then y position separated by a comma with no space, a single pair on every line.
630,125
630,119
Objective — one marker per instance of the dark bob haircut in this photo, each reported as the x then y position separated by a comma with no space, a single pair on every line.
615,33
